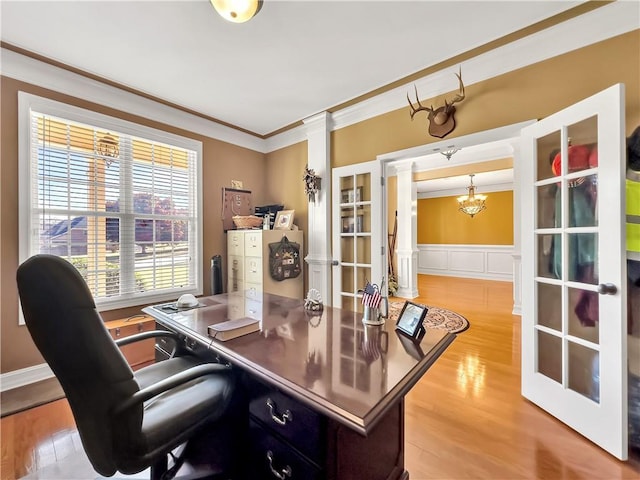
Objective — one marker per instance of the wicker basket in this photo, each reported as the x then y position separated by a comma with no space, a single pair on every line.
247,221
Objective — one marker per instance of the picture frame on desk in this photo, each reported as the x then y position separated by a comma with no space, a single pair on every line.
284,220
410,319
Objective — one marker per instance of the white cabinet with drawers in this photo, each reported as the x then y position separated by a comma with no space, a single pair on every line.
248,265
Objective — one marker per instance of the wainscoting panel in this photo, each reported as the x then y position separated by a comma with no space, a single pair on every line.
492,262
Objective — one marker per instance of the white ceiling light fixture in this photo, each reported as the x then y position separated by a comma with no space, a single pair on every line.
237,11
472,204
449,153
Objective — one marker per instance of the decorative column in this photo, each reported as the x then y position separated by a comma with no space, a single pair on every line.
319,258
407,238
517,233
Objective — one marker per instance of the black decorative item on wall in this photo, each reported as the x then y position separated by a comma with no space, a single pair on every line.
311,183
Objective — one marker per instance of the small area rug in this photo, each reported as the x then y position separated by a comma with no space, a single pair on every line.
436,317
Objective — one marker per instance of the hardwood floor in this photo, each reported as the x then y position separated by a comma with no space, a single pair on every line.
464,419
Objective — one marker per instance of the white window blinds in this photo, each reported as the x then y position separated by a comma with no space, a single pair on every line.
123,208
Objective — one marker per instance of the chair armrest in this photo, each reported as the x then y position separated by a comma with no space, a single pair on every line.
138,337
171,382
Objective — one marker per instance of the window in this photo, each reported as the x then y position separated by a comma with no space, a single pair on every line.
118,200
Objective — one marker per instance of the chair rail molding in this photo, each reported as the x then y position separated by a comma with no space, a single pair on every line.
488,262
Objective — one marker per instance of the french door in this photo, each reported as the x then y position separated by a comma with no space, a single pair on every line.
574,355
356,223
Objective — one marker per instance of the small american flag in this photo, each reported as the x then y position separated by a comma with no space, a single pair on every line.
371,296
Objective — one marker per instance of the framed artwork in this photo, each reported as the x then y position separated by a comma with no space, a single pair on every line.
411,318
284,220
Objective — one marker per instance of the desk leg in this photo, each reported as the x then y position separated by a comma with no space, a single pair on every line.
378,456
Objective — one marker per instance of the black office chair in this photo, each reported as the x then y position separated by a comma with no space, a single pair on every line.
127,421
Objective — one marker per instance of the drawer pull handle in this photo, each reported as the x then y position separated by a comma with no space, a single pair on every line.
282,474
286,417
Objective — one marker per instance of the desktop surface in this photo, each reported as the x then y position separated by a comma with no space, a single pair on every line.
330,361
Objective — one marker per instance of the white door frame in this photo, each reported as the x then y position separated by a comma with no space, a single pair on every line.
491,144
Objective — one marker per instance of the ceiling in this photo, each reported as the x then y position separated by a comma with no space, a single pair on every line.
495,181
293,60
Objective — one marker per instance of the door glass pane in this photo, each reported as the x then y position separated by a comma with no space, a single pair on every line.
549,256
584,371
550,305
550,356
363,187
583,201
347,219
547,148
547,206
363,219
346,189
347,278
584,312
347,249
583,257
364,276
364,250
583,150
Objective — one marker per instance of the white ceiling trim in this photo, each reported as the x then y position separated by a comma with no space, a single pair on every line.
598,25
595,26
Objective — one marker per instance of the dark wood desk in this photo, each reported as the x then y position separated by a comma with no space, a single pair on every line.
326,393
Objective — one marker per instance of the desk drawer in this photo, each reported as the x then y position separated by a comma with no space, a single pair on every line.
296,423
274,459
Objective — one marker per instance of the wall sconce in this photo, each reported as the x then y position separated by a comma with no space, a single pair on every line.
237,11
472,204
108,148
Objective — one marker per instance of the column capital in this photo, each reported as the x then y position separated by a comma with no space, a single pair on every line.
319,121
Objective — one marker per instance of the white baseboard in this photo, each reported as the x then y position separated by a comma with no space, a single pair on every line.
487,262
24,376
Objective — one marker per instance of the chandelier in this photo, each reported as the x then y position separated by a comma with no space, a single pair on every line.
472,204
237,11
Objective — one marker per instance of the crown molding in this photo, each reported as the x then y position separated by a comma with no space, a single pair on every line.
595,26
589,28
29,70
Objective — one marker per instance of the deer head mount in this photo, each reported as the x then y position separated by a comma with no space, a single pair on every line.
441,120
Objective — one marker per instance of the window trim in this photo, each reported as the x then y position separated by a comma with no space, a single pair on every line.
28,102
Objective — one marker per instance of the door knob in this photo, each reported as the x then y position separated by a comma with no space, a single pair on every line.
607,289
335,262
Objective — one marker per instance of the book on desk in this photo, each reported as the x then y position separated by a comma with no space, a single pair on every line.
233,328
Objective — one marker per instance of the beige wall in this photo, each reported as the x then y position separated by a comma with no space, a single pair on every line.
222,162
532,92
284,185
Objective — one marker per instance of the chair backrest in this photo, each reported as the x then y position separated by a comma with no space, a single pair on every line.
62,319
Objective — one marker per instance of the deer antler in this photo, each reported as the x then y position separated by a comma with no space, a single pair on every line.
415,110
459,97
